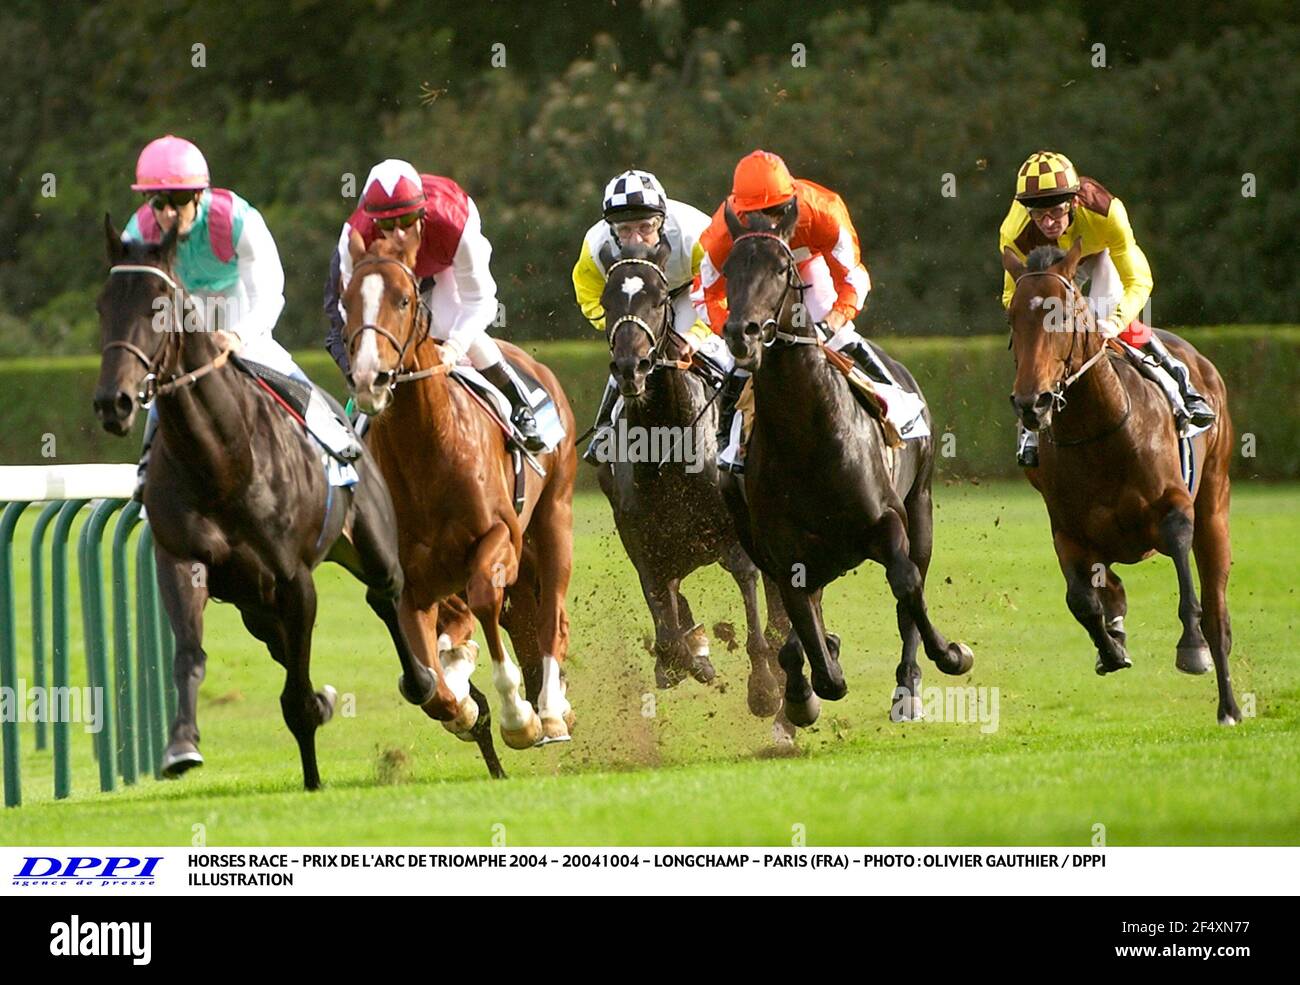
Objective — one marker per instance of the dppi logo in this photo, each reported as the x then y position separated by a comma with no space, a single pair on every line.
42,870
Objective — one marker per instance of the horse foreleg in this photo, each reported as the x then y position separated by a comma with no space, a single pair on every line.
1084,600
695,639
304,710
184,601
493,567
764,693
1176,541
1214,558
552,532
822,651
906,581
1114,604
451,702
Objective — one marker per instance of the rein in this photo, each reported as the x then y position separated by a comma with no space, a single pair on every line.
413,339
150,387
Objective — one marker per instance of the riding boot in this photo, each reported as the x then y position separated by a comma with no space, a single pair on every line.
604,423
331,432
150,430
1027,448
732,387
1195,408
521,412
866,360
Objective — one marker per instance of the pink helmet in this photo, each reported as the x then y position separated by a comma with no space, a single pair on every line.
392,188
170,164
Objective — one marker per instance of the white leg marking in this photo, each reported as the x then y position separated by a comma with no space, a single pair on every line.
516,713
457,665
551,702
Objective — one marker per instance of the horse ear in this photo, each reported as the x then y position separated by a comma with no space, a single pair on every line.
1012,264
606,256
1071,260
356,246
167,245
663,250
789,219
112,240
733,221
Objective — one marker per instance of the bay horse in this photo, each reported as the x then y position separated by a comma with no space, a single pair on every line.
237,499
450,473
822,491
1109,470
667,506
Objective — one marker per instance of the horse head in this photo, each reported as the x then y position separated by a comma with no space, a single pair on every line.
637,312
385,321
762,281
1050,330
137,317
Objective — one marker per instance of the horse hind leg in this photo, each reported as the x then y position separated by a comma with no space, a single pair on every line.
1083,597
907,705
184,602
695,641
1213,551
552,533
763,692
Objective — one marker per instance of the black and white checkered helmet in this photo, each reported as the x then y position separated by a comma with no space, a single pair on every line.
634,194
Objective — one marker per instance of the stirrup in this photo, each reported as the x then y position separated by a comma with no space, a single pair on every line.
526,424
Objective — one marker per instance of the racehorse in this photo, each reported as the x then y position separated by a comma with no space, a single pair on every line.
1109,469
822,490
667,506
237,499
451,476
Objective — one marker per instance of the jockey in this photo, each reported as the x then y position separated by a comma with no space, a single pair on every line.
635,209
1054,206
452,267
227,261
825,246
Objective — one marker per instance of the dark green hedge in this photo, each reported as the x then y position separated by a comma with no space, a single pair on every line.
966,382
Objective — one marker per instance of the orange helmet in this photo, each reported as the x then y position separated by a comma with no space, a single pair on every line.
762,181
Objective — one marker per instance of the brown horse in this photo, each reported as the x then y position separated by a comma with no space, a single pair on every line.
452,482
1109,470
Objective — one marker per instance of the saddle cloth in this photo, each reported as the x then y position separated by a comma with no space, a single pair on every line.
547,415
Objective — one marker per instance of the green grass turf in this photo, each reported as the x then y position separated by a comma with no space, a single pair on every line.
1138,752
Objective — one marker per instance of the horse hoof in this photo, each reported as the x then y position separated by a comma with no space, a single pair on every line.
1230,719
763,697
409,690
958,660
328,697
556,729
907,709
783,733
1194,659
179,759
702,670
828,688
524,737
805,713
465,720
1103,668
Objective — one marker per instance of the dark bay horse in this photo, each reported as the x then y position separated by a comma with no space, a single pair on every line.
1109,470
237,499
667,505
822,490
452,481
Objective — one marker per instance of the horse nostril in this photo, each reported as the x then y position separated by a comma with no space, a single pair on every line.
123,403
382,380
1042,401
643,367
751,329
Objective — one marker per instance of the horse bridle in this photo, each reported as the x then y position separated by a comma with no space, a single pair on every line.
659,342
150,387
770,331
424,322
1076,305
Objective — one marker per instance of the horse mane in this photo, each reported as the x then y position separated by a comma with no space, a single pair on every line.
1043,257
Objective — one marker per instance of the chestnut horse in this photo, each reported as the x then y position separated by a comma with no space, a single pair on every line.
452,481
1109,470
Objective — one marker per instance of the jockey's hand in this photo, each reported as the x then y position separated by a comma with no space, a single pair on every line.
228,340
1109,328
452,351
835,320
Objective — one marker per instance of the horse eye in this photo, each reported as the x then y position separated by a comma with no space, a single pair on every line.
404,303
